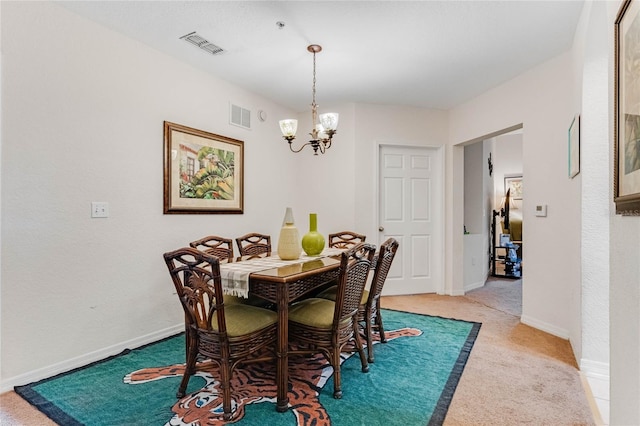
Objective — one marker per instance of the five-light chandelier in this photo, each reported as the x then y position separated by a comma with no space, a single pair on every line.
323,125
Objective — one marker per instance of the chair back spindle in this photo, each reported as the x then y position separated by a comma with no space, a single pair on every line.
219,247
254,244
345,239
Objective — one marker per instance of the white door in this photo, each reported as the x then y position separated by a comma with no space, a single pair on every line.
411,205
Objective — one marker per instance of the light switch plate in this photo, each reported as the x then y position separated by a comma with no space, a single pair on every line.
99,209
541,210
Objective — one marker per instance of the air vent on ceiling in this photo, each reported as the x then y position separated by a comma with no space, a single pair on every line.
240,116
202,43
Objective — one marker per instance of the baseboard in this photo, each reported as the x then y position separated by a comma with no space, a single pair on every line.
80,361
546,327
472,286
596,376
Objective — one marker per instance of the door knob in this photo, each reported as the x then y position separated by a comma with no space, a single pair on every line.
381,228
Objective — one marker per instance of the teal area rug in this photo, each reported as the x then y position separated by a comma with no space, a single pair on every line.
411,383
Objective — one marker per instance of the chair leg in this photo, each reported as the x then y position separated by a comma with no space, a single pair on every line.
368,333
337,385
189,368
383,339
225,384
356,336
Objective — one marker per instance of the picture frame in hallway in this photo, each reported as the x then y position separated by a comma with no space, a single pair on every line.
513,182
203,172
574,147
626,167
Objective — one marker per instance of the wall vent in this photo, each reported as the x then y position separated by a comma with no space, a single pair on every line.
202,43
240,116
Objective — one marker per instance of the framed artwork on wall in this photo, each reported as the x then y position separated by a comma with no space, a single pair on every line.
513,182
626,168
574,147
203,172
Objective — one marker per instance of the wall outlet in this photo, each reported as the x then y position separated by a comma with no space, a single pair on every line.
99,209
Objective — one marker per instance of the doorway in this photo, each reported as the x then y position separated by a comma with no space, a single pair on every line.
491,165
411,209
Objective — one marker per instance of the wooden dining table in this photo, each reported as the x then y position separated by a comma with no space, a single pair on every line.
283,285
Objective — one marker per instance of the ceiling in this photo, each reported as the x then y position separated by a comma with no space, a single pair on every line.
432,54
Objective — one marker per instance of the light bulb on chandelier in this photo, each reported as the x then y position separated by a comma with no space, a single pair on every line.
323,126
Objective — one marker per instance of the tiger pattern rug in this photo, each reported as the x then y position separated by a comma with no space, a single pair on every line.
254,384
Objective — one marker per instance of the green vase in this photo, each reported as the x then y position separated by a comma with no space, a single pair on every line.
313,241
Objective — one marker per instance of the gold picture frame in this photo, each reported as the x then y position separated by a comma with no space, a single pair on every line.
203,172
514,183
626,168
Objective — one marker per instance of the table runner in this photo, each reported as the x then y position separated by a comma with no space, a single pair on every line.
235,275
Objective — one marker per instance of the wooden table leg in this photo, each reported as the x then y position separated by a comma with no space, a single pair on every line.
282,368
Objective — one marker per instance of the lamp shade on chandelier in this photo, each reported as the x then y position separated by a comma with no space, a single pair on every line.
323,126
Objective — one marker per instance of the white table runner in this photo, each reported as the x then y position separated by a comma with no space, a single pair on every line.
235,275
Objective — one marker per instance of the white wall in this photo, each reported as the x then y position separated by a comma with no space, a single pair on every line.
324,184
1,84
475,252
592,70
474,163
83,121
624,289
540,100
395,125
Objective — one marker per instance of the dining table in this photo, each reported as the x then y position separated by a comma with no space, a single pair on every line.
280,282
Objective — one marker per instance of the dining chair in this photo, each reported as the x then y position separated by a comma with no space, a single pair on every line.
226,335
369,315
254,244
345,239
219,247
322,325
222,248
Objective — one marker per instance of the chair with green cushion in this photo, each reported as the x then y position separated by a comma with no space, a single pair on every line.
222,248
345,239
369,315
219,247
321,325
254,244
227,336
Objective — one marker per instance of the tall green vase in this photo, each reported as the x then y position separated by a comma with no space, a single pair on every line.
313,241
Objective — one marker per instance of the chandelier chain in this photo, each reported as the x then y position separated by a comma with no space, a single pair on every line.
314,106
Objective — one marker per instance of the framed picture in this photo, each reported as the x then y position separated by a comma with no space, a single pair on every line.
574,147
203,172
626,168
513,182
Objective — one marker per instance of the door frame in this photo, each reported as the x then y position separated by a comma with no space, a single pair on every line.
440,246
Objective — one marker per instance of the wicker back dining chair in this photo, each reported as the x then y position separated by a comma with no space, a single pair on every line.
219,247
254,244
321,325
345,239
369,315
226,335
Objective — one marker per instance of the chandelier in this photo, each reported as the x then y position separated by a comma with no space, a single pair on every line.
323,125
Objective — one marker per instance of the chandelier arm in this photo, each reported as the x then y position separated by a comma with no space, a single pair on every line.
298,150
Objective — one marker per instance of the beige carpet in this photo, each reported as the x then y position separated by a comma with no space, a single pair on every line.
516,375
